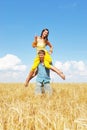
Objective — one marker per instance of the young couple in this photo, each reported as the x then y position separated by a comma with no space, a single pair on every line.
43,56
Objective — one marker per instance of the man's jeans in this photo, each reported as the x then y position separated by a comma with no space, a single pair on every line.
43,88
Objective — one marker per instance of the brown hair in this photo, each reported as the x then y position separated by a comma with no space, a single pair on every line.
46,38
41,52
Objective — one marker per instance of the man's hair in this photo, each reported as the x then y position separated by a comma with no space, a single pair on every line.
41,52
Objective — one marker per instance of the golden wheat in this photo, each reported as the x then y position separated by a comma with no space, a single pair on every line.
65,109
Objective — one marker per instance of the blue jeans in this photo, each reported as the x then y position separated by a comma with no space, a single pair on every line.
43,88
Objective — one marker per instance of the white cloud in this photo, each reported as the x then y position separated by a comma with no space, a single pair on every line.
75,71
80,65
11,62
11,68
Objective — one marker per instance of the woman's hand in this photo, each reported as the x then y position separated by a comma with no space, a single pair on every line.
34,44
51,51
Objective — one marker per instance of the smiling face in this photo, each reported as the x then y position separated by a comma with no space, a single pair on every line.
44,34
41,55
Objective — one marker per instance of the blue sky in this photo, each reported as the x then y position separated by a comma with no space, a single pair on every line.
21,20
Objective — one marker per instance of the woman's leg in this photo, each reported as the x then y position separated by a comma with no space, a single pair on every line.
32,72
60,73
48,64
29,77
36,63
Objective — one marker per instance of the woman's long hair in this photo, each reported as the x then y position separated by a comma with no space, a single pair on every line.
46,38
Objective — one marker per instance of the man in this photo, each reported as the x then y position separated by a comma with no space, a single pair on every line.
43,76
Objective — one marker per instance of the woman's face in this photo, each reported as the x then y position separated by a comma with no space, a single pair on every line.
45,33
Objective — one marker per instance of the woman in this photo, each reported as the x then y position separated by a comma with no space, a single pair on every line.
40,43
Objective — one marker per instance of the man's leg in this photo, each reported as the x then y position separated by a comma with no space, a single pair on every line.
47,88
38,89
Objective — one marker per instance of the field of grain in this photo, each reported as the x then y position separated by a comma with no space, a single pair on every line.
65,109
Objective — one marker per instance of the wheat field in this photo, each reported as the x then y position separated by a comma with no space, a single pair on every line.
65,109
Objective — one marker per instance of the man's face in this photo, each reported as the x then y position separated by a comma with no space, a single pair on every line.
41,56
